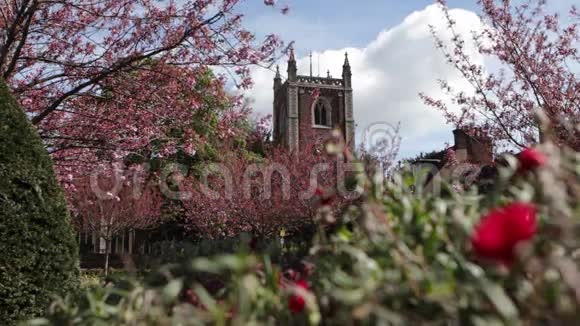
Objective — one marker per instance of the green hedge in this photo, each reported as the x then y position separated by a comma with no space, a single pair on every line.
38,251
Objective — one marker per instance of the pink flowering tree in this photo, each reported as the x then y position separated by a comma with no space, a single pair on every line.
110,203
159,115
262,196
268,190
538,55
105,76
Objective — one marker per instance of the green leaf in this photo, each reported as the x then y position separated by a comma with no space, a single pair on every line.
345,234
502,302
38,322
172,290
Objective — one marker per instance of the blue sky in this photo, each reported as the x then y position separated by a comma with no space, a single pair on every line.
334,23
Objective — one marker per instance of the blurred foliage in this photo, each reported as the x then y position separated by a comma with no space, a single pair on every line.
401,256
285,250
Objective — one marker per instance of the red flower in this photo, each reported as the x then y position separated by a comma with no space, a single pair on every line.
296,302
498,232
531,159
192,298
324,199
521,220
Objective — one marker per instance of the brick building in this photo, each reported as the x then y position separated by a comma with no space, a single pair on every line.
473,156
299,115
476,148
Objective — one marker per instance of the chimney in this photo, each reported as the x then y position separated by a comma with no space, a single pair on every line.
461,144
477,148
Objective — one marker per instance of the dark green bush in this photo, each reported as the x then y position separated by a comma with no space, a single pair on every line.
38,250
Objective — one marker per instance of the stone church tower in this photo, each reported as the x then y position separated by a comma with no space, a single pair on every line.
298,117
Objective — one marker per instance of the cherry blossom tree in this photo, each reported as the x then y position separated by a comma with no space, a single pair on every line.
537,52
146,115
262,196
84,70
111,202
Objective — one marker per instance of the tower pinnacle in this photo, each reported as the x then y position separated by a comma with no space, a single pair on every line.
292,68
346,72
292,56
277,79
310,63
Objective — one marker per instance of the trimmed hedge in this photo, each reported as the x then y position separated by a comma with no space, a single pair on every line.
38,251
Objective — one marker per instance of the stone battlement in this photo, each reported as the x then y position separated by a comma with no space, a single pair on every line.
320,80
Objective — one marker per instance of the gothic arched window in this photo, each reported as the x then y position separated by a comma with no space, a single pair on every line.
322,114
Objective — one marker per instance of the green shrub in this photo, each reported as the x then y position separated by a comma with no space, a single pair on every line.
410,257
38,252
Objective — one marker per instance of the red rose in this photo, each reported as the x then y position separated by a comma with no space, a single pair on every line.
498,232
531,159
490,239
296,302
521,220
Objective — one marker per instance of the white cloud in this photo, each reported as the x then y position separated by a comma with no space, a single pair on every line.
388,74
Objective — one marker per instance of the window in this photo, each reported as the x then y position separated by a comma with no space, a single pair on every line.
281,128
322,114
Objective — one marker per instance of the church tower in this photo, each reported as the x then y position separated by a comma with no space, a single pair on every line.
308,106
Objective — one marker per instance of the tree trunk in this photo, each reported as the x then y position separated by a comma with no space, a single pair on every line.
131,236
107,247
